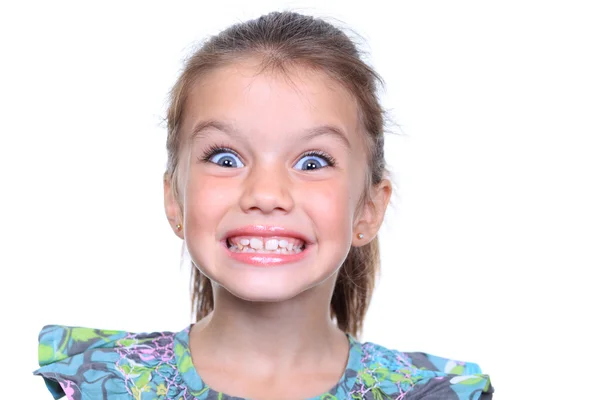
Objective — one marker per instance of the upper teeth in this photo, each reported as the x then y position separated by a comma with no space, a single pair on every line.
259,243
272,244
256,244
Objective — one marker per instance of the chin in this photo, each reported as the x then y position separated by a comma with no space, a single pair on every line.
261,291
277,283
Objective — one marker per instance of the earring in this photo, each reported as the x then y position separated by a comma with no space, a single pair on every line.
178,226
360,236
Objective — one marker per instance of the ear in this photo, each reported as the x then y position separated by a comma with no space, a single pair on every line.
372,213
172,208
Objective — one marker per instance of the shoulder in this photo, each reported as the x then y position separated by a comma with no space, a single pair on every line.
104,364
413,375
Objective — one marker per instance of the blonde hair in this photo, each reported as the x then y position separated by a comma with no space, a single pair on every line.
282,40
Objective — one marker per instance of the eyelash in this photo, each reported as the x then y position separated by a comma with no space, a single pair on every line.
216,149
330,160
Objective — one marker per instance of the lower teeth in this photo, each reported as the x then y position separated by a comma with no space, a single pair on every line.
246,249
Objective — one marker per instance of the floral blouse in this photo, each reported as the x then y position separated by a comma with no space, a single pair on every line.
94,364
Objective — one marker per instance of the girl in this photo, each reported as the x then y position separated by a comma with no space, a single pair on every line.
276,183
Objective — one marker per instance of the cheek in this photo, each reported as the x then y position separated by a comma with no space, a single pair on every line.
331,206
206,200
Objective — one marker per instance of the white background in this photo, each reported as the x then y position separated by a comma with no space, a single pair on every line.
490,249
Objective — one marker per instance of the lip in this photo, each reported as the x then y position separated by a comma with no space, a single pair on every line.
264,259
268,260
266,231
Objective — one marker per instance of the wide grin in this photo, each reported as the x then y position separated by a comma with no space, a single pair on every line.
265,245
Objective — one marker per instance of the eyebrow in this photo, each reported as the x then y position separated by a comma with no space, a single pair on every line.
200,128
309,134
328,130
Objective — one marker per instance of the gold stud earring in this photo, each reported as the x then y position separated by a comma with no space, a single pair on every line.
360,236
178,226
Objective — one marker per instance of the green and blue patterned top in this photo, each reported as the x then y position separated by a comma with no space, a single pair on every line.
93,364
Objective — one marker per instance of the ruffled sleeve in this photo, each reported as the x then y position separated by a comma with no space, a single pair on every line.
386,373
98,364
449,379
74,359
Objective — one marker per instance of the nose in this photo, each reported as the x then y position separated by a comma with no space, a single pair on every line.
267,190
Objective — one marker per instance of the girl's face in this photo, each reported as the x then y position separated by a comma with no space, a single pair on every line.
272,172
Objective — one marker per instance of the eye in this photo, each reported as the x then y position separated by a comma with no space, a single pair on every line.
223,157
314,160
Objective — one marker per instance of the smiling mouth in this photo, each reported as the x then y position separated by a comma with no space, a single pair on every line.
265,245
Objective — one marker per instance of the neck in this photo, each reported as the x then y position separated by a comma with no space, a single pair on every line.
294,332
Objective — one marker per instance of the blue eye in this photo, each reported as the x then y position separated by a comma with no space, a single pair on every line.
223,157
314,160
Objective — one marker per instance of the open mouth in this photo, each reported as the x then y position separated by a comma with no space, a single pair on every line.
265,245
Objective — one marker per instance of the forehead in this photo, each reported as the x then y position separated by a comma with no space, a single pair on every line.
271,101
